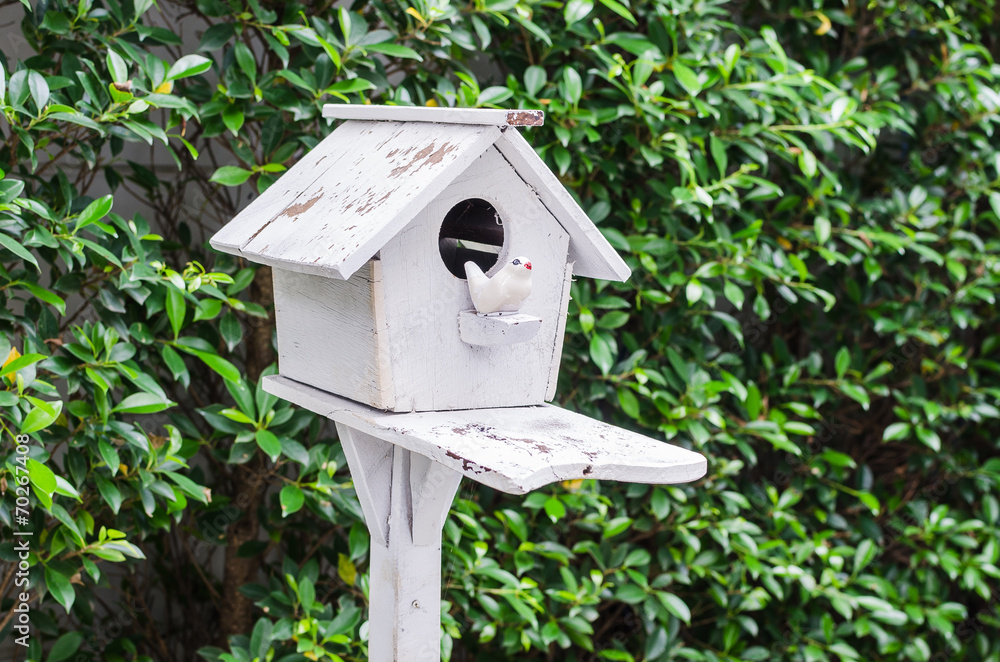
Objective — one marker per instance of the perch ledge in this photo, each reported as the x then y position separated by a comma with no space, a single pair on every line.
493,330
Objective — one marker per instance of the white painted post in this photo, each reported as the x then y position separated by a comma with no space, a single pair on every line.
405,508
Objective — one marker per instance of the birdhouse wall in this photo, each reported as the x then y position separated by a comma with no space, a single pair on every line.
330,335
432,367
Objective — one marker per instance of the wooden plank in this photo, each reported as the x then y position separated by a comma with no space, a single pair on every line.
593,255
432,368
477,329
432,489
550,391
311,308
514,450
404,622
380,175
495,117
306,175
370,461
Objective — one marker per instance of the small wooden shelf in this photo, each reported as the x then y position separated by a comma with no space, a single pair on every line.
492,330
512,449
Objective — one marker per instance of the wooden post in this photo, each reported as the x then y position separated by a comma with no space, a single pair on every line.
405,498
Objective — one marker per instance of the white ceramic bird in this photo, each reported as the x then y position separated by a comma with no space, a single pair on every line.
504,292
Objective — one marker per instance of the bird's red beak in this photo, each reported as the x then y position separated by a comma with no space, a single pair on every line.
527,265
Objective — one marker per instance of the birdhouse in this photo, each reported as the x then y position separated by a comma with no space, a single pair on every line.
370,237
422,259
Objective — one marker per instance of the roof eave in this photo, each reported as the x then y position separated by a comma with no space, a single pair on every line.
588,248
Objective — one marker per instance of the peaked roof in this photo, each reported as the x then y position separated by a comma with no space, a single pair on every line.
345,199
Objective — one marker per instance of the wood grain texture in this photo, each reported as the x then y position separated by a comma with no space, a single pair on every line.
556,359
311,311
432,367
405,574
476,329
432,487
366,184
593,255
514,450
494,117
335,208
370,461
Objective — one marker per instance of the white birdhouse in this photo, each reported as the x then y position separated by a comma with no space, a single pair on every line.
422,259
369,236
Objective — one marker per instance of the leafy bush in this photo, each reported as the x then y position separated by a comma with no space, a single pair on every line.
808,195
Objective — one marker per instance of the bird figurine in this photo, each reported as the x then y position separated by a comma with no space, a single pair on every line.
504,292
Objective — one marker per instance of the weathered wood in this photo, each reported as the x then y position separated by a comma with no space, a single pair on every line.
477,329
593,255
375,176
405,579
550,391
311,309
360,186
499,118
514,450
432,367
433,487
370,461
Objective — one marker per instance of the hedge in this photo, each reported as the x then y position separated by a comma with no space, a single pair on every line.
808,194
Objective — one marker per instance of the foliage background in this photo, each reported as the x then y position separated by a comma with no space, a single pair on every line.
808,193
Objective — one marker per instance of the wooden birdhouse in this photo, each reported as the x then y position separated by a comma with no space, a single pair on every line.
401,247
368,236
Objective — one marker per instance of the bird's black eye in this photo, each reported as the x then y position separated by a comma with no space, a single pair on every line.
517,262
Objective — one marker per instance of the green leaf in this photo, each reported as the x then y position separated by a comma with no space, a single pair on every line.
620,9
675,606
856,393
60,588
822,228
269,443
40,417
188,486
554,509
572,85
95,211
687,78
394,50
17,249
602,352
189,65
896,431
218,364
577,10
117,67
230,176
292,499
535,78
142,403
39,89
929,438
65,646
995,204
863,555
48,297
243,396
842,362
233,118
41,476
231,330
176,309
21,362
246,60
693,291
